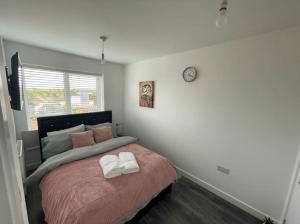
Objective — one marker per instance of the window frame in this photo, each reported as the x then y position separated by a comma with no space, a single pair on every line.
66,73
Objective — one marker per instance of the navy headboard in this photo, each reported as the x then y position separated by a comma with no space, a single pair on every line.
56,123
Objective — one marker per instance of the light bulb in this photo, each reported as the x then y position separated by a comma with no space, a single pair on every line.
102,59
103,39
222,19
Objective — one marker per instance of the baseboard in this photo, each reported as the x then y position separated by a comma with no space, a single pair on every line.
233,200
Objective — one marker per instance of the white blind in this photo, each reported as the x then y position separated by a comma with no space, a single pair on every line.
53,92
83,93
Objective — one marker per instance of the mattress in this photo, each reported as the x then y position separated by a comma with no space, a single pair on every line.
78,193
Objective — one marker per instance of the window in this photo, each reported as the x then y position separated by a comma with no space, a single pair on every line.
83,92
49,92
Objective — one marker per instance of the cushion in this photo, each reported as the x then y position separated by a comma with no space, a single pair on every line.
56,146
102,134
66,132
44,141
82,139
89,127
59,141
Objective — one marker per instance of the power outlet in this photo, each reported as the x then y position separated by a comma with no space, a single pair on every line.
223,170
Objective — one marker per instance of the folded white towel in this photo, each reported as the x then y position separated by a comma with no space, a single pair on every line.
128,163
110,166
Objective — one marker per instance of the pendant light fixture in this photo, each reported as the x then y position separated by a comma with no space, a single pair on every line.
103,39
222,19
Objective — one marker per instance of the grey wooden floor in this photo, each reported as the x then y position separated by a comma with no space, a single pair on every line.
186,203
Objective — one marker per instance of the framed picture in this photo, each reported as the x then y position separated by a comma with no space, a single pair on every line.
146,94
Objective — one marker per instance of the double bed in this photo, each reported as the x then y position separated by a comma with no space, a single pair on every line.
74,189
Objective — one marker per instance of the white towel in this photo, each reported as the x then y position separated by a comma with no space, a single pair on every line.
110,166
128,163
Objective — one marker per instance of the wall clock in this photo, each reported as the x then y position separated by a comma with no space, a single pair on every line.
189,74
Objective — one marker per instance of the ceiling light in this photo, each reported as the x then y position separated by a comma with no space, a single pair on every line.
222,15
103,39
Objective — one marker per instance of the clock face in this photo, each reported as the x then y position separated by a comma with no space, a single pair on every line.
189,74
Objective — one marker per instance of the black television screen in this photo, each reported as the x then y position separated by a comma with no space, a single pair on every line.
14,82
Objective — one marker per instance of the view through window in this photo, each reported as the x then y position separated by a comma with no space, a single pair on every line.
50,93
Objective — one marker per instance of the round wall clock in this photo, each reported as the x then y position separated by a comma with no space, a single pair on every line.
189,74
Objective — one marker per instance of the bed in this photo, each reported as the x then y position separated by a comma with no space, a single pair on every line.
74,189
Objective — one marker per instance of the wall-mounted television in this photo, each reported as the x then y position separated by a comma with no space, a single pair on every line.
14,82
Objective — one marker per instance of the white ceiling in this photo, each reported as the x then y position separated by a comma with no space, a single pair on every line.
138,29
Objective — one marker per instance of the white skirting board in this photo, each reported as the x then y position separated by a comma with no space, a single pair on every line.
233,200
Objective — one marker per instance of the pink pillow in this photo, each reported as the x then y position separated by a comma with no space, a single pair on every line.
81,139
102,134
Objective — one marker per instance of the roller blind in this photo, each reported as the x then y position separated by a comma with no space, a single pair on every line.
83,93
51,93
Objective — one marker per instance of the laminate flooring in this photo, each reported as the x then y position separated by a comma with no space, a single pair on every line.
187,202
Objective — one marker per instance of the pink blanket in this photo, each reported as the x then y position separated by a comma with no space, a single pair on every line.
78,193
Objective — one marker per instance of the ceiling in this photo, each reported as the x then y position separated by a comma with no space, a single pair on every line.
138,29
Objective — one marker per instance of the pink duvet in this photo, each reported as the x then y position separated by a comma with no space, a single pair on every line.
78,193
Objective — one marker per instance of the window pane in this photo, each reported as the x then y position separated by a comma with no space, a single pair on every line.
45,94
83,92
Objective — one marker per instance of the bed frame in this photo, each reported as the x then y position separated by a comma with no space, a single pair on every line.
56,123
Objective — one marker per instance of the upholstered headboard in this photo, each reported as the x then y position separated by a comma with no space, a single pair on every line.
56,123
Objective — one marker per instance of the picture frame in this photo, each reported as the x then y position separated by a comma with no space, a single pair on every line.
146,94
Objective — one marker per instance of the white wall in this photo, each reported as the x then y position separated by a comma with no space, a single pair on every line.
5,213
4,206
241,113
113,74
12,198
